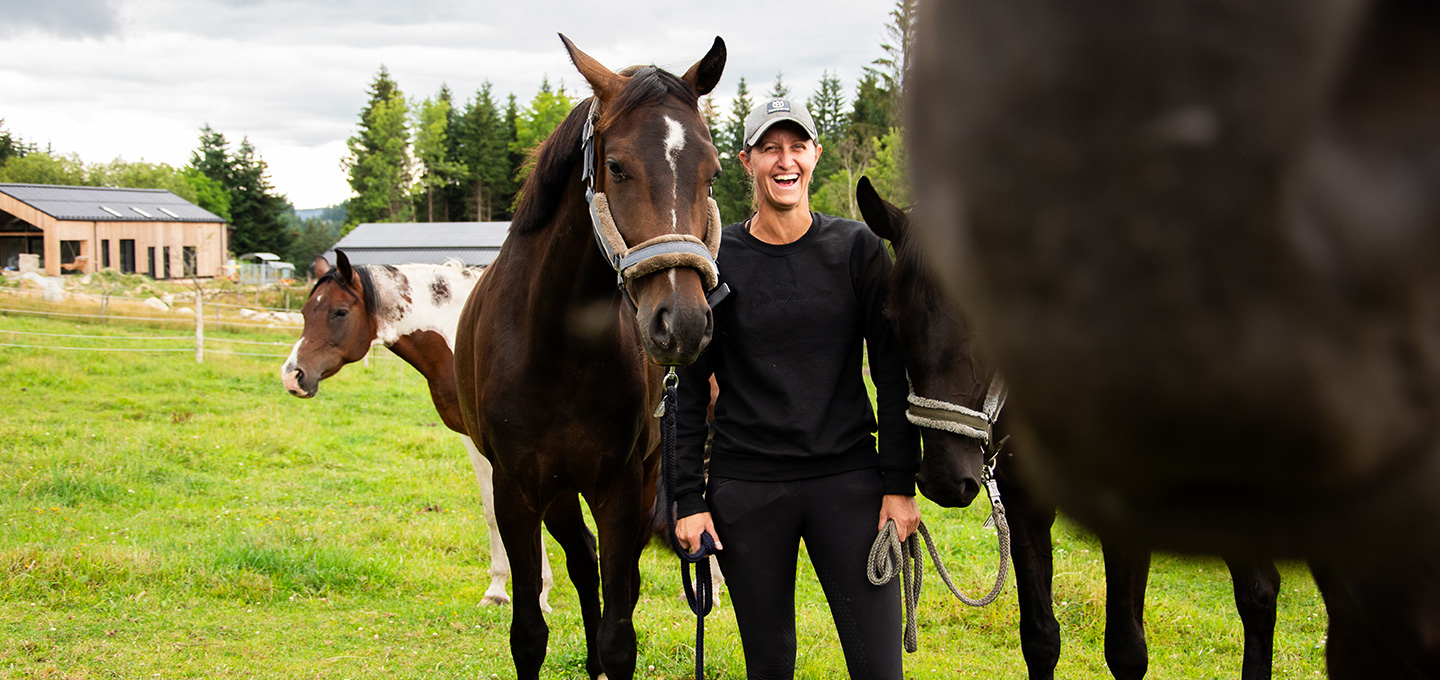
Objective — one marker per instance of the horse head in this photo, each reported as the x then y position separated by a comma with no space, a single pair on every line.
652,166
340,324
940,356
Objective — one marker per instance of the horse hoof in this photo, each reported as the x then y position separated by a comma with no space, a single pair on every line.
494,600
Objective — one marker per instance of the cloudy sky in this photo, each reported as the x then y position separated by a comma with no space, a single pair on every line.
137,78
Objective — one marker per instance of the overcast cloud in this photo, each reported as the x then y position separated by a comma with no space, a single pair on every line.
137,78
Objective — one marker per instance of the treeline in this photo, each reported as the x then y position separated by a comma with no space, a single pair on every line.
232,183
434,160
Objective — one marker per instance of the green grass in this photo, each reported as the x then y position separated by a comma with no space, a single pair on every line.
160,518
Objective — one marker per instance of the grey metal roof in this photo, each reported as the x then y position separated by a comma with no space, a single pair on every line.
88,204
474,243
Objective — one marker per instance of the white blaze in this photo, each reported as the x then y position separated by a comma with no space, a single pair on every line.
674,143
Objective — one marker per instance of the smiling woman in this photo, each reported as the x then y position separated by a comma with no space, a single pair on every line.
795,456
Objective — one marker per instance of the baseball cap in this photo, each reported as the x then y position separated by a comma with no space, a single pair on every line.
774,111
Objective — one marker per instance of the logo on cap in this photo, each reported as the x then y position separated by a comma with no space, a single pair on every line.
777,106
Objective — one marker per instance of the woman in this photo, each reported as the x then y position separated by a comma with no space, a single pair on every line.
794,453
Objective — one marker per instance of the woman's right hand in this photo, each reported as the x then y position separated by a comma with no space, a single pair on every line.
689,528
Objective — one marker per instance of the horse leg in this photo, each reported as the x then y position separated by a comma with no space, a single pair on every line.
621,519
566,522
1031,553
1257,585
499,561
1384,618
520,530
1126,574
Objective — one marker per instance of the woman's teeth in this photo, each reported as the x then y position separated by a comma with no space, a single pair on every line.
786,180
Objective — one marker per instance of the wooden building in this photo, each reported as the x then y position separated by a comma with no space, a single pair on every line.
86,229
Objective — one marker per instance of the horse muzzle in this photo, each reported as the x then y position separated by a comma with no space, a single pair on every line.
299,383
676,329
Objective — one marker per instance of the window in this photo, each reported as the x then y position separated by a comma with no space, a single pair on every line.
111,210
127,255
150,253
165,257
105,252
187,255
142,212
71,261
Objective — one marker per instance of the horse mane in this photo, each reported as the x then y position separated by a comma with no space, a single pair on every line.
554,160
367,285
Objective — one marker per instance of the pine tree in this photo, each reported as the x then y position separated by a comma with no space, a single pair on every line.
483,145
779,90
732,190
438,168
895,65
379,163
256,211
872,115
827,107
11,145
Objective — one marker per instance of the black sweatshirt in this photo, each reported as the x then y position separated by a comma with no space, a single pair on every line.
787,355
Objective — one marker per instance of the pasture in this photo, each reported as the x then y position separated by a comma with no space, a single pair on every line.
160,518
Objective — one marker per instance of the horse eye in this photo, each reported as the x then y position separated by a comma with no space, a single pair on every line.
615,170
715,177
339,313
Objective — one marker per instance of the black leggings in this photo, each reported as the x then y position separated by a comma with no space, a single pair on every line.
761,525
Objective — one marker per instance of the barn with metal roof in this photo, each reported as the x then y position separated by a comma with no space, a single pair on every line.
85,229
474,243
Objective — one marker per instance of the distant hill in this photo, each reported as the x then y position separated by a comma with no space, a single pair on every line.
334,214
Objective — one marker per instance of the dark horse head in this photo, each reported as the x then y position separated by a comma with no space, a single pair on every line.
940,356
1202,240
651,178
339,326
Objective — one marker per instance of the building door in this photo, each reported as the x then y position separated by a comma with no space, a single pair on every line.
127,256
165,256
150,253
105,253
189,261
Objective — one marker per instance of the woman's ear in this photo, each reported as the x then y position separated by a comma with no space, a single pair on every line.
745,161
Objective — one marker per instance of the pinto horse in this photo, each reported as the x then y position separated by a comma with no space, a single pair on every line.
559,370
413,310
944,368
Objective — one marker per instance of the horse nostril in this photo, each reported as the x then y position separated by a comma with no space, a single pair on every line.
660,331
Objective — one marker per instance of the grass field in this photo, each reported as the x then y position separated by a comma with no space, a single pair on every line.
160,518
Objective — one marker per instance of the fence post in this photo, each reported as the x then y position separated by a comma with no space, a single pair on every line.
199,328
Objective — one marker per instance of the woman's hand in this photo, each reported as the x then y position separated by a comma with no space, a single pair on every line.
904,510
689,528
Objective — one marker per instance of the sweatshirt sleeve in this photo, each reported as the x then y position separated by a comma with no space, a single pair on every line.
691,431
899,440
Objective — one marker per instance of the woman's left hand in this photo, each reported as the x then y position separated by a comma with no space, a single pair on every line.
904,510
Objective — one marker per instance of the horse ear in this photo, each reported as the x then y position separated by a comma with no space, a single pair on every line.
604,82
347,273
706,72
321,265
876,211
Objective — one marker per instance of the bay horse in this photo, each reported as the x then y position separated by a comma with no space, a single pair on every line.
559,369
412,309
1201,239
945,368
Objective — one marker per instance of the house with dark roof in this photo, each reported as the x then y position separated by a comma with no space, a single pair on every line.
474,243
86,229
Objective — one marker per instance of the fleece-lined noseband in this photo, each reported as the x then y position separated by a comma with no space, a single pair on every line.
666,251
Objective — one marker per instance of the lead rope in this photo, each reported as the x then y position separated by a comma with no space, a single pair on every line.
888,549
700,595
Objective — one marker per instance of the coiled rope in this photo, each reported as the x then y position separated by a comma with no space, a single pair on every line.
889,551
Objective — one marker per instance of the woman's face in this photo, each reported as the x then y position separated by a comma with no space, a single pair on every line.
782,163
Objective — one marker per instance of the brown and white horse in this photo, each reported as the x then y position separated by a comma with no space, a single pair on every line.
413,310
559,370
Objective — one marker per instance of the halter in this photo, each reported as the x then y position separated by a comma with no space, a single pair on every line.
956,419
666,251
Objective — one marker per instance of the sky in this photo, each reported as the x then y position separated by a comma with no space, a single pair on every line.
136,79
